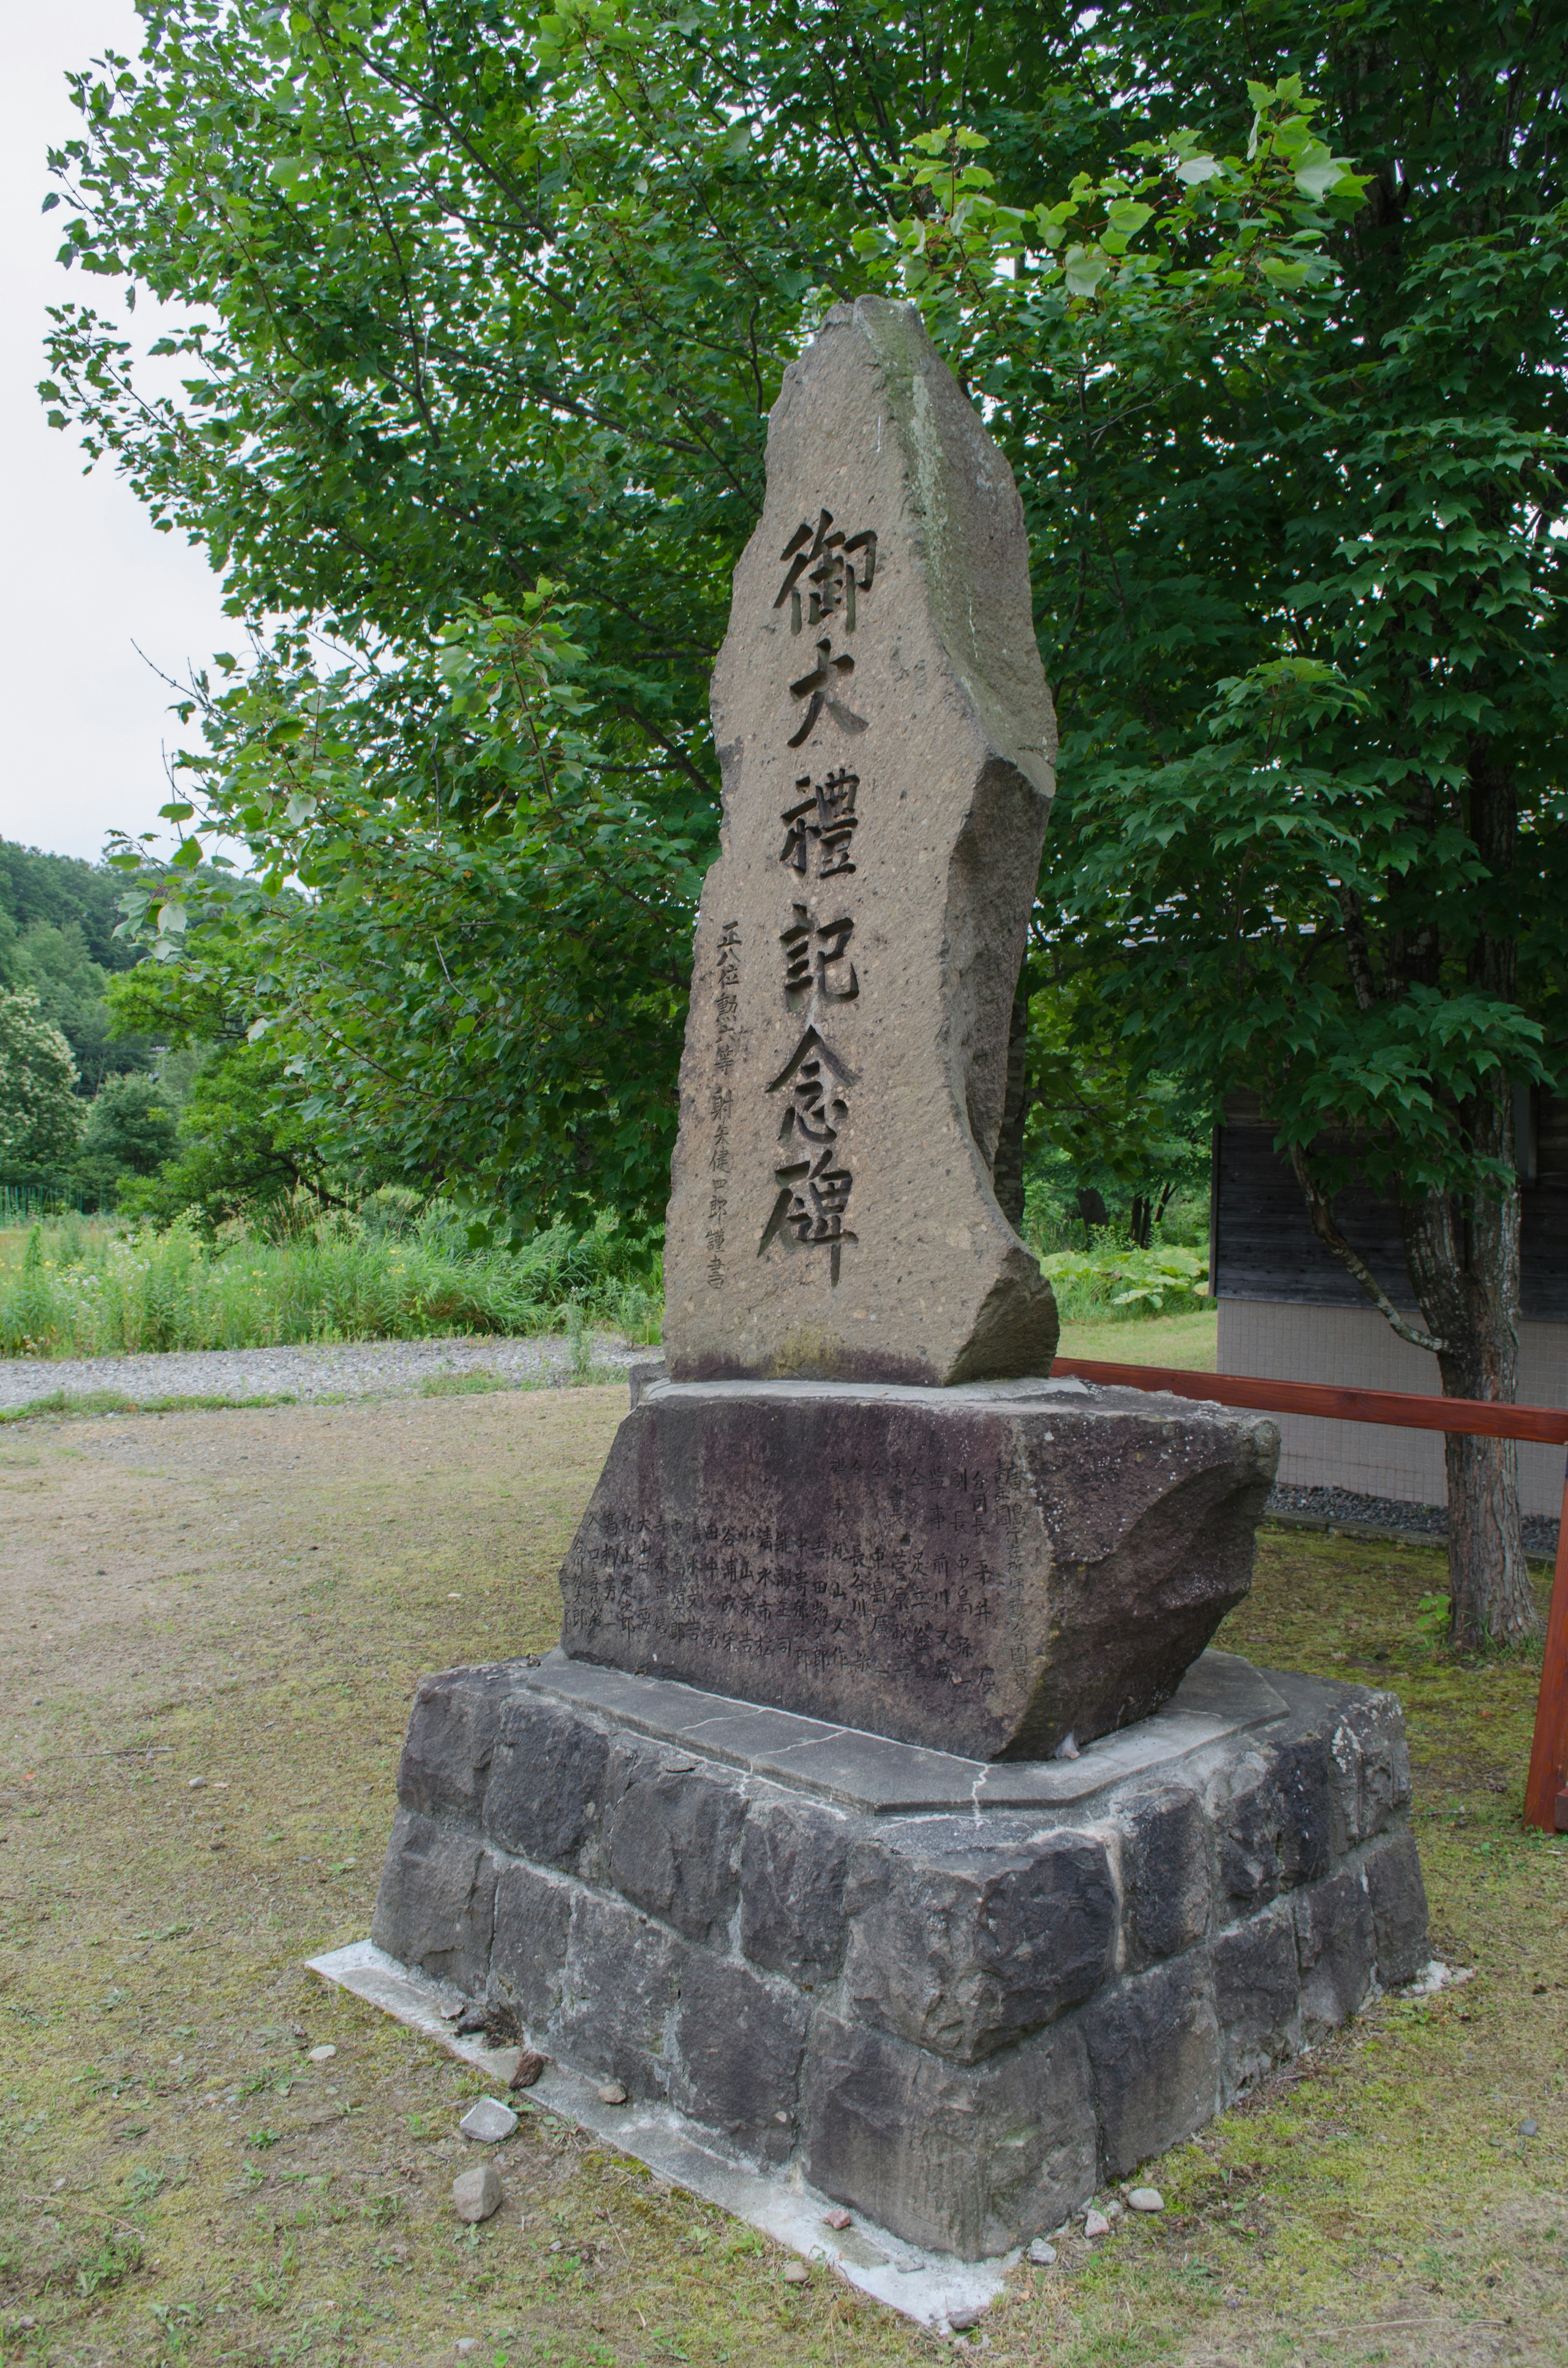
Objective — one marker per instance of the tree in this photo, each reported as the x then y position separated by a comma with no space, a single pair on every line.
41,1118
485,299
131,1130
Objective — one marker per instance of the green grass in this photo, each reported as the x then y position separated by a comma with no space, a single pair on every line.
1189,1340
85,1287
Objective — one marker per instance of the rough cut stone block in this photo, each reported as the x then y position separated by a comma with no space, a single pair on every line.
436,1904
1399,1908
1257,1993
533,1918
885,740
1377,1724
739,2040
672,1826
622,1977
793,1856
451,1735
986,1572
1276,1827
546,1778
1336,1948
1164,1872
1154,2047
962,1943
966,2158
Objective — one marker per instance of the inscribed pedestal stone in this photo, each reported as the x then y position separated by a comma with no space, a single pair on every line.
886,737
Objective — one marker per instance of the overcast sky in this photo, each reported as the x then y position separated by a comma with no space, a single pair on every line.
86,576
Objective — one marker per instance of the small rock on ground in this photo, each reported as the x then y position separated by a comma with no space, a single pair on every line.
837,2218
612,2093
1096,2224
1041,2254
476,2193
323,2055
488,2122
794,2274
1146,2198
960,2321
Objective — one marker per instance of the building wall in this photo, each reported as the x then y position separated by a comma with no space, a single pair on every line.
1354,1347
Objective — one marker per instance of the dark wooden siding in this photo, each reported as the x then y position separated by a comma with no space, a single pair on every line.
1264,1247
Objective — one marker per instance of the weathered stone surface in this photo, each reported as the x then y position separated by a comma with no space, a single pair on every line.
1164,1872
793,1856
1399,1908
992,2044
739,2040
1276,1820
885,737
436,1904
672,1826
546,1776
985,1571
966,2159
533,1918
451,1735
963,1943
476,2193
1257,1993
488,2121
1336,1948
621,1979
1154,2047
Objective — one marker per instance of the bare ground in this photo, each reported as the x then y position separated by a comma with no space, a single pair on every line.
247,1597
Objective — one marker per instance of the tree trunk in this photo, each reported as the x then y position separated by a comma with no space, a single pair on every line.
1466,1278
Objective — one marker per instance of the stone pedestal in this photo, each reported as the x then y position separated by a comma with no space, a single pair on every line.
956,1995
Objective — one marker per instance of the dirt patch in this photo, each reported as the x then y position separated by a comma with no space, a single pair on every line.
246,1598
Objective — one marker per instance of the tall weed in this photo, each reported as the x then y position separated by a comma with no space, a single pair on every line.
80,1289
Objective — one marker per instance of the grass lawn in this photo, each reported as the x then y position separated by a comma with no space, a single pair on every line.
246,1597
1190,1340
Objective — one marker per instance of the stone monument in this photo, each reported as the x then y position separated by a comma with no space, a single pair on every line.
883,1817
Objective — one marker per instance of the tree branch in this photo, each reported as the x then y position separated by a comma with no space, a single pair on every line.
1331,1237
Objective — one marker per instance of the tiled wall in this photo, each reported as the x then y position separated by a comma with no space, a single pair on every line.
1354,1347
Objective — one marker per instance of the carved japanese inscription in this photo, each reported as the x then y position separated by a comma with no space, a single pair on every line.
886,739
957,1570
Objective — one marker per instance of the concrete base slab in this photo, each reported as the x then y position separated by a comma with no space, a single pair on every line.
924,2286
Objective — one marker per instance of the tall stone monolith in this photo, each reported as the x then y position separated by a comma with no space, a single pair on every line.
886,736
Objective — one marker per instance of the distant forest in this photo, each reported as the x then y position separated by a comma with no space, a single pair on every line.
58,917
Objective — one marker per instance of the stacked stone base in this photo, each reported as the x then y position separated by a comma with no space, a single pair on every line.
954,1996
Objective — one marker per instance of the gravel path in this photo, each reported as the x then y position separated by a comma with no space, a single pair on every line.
1392,1516
347,1369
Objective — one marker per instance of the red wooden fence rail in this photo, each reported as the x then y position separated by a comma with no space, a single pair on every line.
1546,1789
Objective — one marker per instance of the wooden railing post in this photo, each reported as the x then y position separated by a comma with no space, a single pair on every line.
1546,1791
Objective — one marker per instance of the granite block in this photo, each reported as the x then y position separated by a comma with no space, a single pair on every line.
1164,1872
620,1986
962,1943
1274,1821
447,1752
1336,1949
1153,2044
793,1856
966,2158
436,1904
738,2043
1398,1898
546,1780
1257,1990
533,1921
672,1831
